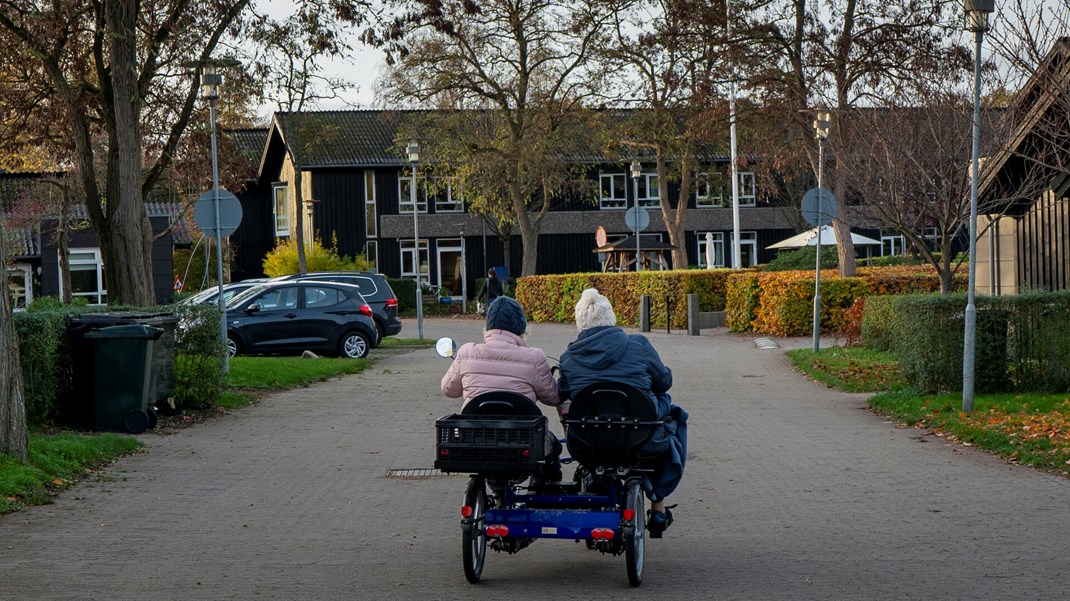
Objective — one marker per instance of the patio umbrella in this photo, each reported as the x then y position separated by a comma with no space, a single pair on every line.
828,238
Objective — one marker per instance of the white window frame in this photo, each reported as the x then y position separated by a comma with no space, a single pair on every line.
15,273
750,239
648,182
405,196
282,222
718,249
371,210
707,198
100,296
612,202
447,200
408,259
895,240
371,253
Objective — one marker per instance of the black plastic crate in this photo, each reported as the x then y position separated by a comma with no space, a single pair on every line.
489,443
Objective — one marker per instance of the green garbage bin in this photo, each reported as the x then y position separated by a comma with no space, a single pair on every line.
123,377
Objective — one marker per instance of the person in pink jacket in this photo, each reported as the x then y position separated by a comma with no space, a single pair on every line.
503,362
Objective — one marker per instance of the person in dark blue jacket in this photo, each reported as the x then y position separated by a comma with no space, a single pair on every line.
604,352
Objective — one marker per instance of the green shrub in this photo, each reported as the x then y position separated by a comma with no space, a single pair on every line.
804,258
741,301
199,377
282,260
405,290
878,331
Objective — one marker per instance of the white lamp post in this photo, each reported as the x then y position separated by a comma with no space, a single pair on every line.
821,132
977,12
413,150
637,170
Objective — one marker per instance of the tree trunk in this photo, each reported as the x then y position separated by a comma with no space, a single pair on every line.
296,151
130,237
13,436
529,231
674,218
63,237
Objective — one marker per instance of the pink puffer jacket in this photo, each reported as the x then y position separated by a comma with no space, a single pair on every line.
502,362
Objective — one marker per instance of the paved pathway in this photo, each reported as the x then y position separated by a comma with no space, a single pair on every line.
792,491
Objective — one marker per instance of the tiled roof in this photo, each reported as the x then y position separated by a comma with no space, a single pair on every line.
250,142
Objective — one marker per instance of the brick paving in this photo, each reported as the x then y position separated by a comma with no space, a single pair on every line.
792,491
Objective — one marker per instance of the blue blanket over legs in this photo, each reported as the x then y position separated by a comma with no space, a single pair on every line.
669,443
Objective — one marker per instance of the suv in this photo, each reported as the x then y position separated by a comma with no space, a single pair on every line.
373,287
295,316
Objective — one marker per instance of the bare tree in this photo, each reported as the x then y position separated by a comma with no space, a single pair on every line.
524,61
841,55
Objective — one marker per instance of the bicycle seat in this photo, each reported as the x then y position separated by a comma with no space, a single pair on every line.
500,402
608,424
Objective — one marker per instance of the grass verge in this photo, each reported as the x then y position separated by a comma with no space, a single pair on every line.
1030,428
56,461
850,369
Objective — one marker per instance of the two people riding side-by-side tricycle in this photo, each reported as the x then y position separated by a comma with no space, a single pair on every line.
626,437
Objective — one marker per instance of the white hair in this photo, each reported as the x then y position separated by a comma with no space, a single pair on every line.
594,310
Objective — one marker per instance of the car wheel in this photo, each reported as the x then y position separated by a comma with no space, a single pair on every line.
233,346
380,333
354,345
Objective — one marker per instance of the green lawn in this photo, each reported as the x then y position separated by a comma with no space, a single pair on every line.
1028,428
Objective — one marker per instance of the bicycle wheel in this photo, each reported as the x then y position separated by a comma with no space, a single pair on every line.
474,544
634,541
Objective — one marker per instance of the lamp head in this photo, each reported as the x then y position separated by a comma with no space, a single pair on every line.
211,76
636,168
977,12
822,123
413,150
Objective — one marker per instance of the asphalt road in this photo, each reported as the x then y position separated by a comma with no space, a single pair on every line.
792,491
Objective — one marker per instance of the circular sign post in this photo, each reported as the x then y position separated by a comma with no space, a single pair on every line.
600,237
637,219
819,206
229,215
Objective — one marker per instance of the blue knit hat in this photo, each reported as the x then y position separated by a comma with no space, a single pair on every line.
506,314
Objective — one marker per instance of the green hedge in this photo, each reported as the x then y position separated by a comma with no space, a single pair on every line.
45,354
553,297
1022,344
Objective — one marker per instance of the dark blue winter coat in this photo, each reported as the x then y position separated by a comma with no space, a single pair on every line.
608,354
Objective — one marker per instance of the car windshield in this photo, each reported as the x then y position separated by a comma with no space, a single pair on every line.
242,296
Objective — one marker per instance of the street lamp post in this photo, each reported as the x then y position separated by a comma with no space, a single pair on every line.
637,170
977,13
211,79
414,158
821,132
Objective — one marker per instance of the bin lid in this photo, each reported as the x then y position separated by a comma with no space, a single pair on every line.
135,331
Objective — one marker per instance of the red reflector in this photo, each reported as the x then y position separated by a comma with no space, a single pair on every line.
497,531
391,302
629,515
602,533
443,452
525,453
466,511
365,309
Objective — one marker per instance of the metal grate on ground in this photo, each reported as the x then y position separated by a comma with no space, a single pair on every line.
766,343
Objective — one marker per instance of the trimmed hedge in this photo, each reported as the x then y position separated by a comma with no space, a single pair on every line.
781,302
553,297
1023,342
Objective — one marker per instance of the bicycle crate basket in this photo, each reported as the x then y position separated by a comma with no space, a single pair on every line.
489,443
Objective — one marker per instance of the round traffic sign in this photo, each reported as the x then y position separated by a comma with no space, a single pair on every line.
637,218
600,237
204,212
819,206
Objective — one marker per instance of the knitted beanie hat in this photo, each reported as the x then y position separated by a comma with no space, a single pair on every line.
594,310
506,314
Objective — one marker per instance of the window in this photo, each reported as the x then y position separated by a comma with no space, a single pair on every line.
446,196
282,210
405,195
717,238
87,275
371,221
278,299
892,243
648,190
408,259
713,189
371,253
748,249
20,285
317,297
613,191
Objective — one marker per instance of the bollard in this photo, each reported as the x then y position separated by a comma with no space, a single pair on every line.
692,315
644,313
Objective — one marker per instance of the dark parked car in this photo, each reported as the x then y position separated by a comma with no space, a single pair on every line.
209,295
373,287
295,316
